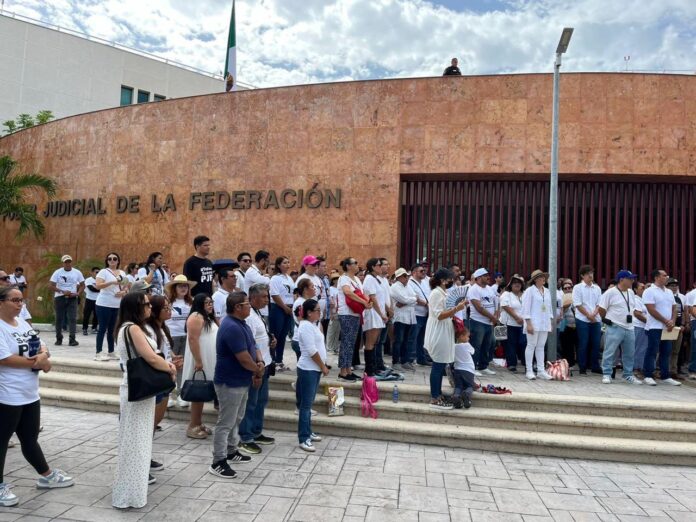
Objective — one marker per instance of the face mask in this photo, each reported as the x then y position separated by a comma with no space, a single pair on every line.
449,284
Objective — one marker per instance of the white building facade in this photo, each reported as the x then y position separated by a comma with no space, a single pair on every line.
43,68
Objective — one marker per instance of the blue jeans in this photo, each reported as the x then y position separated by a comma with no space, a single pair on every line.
641,335
379,347
692,363
437,370
252,423
306,386
657,346
588,334
481,339
614,338
107,324
421,355
515,345
279,324
402,335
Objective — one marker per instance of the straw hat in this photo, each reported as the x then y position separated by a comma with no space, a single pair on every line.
180,280
536,274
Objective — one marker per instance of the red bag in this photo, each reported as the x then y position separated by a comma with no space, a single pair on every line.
356,307
558,370
458,325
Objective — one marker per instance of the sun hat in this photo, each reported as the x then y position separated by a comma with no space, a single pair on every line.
180,280
536,274
140,286
400,272
515,277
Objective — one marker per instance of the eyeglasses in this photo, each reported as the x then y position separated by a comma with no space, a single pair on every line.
16,300
111,258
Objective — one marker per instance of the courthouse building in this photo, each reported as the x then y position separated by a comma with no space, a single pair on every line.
447,168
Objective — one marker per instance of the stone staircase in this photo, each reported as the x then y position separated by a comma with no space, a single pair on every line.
656,432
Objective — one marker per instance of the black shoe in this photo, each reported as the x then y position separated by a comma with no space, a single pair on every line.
513,369
222,469
73,342
151,479
85,332
457,402
238,457
264,441
467,402
598,371
425,363
583,372
156,466
58,342
357,377
251,448
350,377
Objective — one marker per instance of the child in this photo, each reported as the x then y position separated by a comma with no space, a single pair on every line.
464,369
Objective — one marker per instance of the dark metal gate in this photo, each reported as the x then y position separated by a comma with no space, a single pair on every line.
503,225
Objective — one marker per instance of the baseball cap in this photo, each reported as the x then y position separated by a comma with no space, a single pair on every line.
309,260
625,274
480,272
672,281
65,258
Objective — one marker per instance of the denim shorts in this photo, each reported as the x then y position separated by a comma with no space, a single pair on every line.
160,397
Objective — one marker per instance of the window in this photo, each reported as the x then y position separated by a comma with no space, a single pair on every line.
143,96
159,97
126,95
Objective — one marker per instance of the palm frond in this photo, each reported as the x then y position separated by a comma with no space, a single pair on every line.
32,182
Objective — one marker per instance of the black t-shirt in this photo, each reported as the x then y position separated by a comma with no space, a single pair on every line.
452,70
200,270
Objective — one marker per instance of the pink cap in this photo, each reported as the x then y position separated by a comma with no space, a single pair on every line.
309,260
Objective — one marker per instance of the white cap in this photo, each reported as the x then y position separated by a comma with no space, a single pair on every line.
65,258
480,272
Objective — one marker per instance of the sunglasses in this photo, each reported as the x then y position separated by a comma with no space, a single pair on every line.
112,258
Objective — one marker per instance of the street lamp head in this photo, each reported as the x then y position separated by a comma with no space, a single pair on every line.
565,40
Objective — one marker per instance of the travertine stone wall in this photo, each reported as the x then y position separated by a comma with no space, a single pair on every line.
359,137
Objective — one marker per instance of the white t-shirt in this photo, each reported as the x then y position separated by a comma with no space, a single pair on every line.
240,281
641,308
386,287
24,314
295,306
311,341
107,296
463,359
282,285
254,276
485,296
220,302
131,279
663,299
66,280
177,323
90,294
587,297
422,291
18,386
371,287
17,280
512,301
618,305
258,329
345,280
691,301
333,298
318,289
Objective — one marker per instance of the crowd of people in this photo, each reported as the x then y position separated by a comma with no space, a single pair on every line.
228,321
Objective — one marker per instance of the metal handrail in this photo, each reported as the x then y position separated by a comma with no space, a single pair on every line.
110,43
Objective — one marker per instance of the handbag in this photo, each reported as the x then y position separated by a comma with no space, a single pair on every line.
198,391
144,381
500,332
558,370
356,307
458,325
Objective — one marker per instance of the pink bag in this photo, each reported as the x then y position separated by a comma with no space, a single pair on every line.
368,397
558,370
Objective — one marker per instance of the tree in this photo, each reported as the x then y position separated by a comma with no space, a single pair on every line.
44,117
10,125
13,201
24,121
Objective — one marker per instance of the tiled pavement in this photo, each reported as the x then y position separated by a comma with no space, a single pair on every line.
346,480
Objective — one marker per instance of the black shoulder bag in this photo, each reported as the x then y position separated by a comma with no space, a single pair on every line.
144,381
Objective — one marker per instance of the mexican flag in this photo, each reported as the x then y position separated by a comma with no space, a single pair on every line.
231,60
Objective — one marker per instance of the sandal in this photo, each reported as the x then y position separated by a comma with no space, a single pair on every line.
206,429
196,433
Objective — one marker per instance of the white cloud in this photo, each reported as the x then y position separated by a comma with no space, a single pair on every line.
282,42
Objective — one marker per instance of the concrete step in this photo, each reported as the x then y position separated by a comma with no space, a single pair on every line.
103,384
449,435
78,366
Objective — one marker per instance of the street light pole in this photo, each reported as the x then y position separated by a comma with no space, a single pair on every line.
552,353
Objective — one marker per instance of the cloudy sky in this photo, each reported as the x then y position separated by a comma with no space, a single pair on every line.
285,42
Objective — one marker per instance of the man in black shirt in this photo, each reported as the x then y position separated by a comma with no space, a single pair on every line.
453,70
199,268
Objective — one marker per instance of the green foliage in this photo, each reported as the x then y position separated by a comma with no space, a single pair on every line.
14,189
52,262
25,121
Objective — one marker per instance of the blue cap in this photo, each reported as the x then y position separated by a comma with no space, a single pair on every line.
498,274
625,274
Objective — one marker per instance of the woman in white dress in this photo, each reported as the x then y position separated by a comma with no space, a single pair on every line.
537,313
137,418
201,330
439,335
374,318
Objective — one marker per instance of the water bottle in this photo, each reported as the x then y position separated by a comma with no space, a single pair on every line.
34,345
395,394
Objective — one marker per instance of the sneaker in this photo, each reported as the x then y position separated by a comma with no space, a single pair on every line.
171,402
606,379
156,466
94,332
112,356
196,433
457,403
85,332
692,376
11,444
359,367
650,381
467,401
181,403
357,377
441,404
56,479
222,469
308,446
671,382
425,363
541,374
530,376
101,357
349,378
314,412
487,371
632,380
250,448
238,458
314,437
73,342
396,366
263,440
408,367
7,498
293,385
478,373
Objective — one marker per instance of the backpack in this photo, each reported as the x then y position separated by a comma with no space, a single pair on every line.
368,396
558,370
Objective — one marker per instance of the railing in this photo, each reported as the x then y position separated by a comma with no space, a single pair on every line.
117,45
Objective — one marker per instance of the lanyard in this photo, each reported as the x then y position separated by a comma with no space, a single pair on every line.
626,298
420,288
263,320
